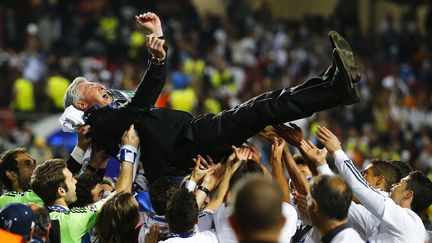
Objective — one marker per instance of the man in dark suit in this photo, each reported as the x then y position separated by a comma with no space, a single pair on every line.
170,138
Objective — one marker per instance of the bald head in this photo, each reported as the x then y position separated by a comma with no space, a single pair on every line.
333,196
257,205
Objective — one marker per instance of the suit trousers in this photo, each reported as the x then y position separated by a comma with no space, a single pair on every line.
214,134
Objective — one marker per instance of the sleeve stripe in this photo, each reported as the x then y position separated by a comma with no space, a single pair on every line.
356,173
358,176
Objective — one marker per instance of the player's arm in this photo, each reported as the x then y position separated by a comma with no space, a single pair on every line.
154,78
370,198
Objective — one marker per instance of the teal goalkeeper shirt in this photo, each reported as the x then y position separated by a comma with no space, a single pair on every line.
75,222
22,197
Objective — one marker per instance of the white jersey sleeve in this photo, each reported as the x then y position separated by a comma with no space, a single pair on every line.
363,221
368,196
324,170
394,219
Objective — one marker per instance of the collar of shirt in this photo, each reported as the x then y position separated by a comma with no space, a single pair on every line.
113,105
332,233
57,208
181,235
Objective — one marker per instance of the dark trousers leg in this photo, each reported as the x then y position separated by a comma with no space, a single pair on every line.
214,134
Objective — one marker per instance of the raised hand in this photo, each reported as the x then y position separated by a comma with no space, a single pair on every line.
293,135
151,23
330,141
202,167
130,137
256,154
268,133
277,149
312,153
98,158
301,201
210,179
155,46
83,140
237,157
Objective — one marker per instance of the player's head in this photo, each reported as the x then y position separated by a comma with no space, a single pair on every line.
381,175
329,199
83,94
16,168
415,188
52,180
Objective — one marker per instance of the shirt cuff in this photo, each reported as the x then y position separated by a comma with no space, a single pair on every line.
190,185
339,153
78,154
324,170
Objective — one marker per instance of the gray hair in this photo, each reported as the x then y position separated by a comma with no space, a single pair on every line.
72,96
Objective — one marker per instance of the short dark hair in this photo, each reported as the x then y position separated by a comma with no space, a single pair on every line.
333,196
247,167
86,182
182,211
386,169
402,167
422,188
47,178
160,192
257,204
8,162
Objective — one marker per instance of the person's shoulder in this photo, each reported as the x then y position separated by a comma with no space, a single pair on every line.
347,235
206,236
288,209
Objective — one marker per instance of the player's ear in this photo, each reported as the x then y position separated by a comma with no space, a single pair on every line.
81,105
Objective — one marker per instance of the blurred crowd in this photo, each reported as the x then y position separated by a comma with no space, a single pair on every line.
215,63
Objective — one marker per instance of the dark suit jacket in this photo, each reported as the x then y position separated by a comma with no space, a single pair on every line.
165,138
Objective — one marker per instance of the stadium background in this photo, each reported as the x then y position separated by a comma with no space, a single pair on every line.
221,53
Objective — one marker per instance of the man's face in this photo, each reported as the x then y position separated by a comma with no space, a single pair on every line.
369,175
70,182
26,165
94,94
398,190
97,192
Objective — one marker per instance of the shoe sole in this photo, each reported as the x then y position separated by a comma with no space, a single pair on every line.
338,42
344,61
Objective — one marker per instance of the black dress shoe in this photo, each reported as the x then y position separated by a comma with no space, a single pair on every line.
343,80
339,43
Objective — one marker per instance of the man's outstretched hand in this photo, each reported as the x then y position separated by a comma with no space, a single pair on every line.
292,134
330,141
151,23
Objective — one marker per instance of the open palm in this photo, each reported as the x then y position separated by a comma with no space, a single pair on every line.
314,154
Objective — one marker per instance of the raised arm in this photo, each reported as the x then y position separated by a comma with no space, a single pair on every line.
368,196
299,181
154,78
294,135
277,169
128,156
74,162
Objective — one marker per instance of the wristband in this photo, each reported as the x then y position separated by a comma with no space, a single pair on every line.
204,189
158,61
128,154
190,185
78,154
